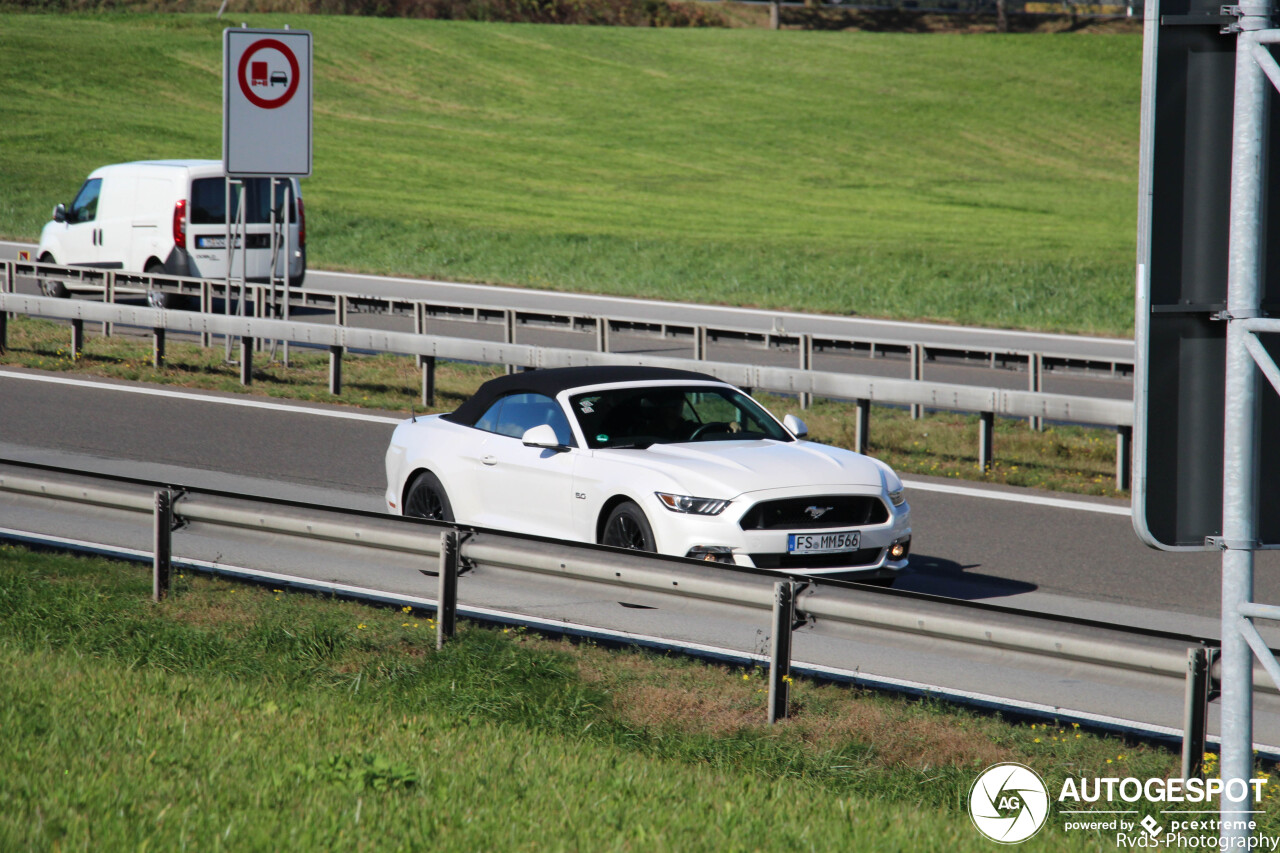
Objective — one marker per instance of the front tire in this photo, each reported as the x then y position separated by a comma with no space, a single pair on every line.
159,298
627,527
426,498
48,287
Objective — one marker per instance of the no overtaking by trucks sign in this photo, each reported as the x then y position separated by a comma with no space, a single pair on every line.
266,103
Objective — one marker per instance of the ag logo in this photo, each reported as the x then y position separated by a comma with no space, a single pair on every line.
1009,803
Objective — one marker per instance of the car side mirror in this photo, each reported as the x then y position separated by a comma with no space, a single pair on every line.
543,435
60,213
796,426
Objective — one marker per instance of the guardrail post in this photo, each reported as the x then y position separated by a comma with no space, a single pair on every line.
509,333
917,372
784,612
77,338
862,426
602,334
335,370
9,284
1195,714
340,311
1124,456
1035,379
259,310
157,348
986,439
108,296
447,599
246,361
162,552
420,328
206,307
428,380
700,343
806,363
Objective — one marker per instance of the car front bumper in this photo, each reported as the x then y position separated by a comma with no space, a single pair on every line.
722,538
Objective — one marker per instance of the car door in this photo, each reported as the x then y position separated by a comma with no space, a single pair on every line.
526,489
79,240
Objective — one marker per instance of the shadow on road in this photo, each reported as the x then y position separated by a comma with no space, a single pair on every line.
939,576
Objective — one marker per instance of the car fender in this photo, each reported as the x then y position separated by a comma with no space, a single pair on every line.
51,239
431,444
612,481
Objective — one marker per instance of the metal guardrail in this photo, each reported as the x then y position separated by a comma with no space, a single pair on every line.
824,603
512,308
826,608
802,381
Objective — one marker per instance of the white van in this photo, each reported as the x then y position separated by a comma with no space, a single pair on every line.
169,216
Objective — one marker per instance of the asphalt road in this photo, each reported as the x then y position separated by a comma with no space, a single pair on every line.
1037,550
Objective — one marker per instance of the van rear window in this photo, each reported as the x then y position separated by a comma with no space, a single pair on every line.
209,201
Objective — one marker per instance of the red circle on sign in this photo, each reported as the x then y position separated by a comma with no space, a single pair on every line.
268,103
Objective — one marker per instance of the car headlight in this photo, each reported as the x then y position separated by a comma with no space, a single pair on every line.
898,497
696,506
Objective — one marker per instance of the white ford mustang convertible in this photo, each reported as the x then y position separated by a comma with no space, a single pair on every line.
652,459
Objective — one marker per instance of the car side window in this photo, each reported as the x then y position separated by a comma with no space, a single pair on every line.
515,414
85,207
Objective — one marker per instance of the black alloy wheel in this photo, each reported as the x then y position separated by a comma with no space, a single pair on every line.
427,498
628,528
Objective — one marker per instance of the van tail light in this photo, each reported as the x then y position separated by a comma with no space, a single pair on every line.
302,224
180,224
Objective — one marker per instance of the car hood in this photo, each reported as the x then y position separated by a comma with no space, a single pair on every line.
730,468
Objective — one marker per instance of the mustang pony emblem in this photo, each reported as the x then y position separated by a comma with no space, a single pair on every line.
817,512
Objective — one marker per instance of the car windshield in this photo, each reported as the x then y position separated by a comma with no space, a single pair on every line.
639,417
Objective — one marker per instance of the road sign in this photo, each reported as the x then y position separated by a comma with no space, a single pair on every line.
266,103
1180,334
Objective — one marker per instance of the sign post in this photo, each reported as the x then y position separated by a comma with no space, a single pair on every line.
266,133
1208,469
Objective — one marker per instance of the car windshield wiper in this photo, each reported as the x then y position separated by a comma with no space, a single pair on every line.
639,445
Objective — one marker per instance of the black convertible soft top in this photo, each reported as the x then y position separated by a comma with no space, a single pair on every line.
551,382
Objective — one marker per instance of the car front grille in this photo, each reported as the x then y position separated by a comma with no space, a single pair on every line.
845,559
831,510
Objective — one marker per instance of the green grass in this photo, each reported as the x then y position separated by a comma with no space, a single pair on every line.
943,444
978,179
242,718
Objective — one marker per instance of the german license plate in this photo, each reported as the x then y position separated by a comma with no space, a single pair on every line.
830,542
215,242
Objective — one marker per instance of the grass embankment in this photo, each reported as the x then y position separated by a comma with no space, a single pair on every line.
1072,459
242,718
977,179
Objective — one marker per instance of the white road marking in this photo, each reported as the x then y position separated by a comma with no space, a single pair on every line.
204,398
1037,499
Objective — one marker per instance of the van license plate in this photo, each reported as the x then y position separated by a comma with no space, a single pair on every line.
823,543
214,242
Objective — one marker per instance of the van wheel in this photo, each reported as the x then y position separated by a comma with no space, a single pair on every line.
158,298
49,287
